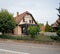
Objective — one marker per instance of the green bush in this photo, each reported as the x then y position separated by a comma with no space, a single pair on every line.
48,28
58,33
56,38
33,30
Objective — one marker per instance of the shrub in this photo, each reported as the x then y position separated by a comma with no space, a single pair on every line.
58,33
33,30
56,38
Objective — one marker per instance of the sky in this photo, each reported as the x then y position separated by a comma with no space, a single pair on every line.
42,10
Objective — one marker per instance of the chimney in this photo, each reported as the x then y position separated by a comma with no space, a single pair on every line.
17,13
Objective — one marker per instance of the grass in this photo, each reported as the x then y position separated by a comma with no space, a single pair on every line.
44,38
15,37
7,37
37,38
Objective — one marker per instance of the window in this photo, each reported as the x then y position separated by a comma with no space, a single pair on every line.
23,20
29,21
32,21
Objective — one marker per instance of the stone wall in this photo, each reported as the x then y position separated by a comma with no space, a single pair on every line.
17,30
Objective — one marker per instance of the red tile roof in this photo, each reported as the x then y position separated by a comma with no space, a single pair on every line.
56,23
19,17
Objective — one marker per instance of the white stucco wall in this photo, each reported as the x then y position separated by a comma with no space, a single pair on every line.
27,18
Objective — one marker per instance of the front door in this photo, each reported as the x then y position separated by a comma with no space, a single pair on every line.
24,30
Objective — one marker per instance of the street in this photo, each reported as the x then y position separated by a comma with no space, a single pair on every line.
27,48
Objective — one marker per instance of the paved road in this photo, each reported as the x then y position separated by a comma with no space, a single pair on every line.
27,48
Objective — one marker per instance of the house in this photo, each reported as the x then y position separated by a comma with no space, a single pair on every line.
55,25
23,21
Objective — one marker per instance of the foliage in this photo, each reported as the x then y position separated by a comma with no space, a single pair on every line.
42,27
33,30
40,24
15,37
56,38
7,22
43,38
58,22
48,28
58,31
6,37
38,38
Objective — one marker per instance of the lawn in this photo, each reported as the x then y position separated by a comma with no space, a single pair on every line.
44,38
37,38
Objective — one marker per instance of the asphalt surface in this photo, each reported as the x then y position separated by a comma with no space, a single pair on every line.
27,48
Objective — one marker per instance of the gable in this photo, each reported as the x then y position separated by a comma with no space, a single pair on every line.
27,19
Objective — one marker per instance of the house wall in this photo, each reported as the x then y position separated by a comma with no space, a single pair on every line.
17,30
27,18
21,22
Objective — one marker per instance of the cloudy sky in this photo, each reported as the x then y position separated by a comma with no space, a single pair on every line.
42,10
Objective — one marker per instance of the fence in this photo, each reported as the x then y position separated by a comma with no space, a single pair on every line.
49,33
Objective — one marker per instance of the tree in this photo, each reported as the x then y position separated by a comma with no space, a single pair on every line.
33,30
7,22
48,28
40,25
58,31
58,22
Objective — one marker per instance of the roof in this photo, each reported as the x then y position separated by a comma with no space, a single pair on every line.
58,20
56,23
19,17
